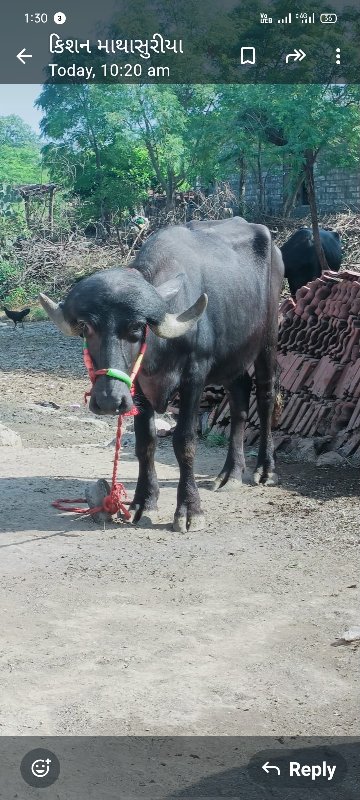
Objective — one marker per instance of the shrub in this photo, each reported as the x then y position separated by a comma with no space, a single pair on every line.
213,439
16,297
38,315
8,277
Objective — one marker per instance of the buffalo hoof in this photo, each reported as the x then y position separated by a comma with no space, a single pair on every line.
191,522
227,483
144,517
95,494
264,478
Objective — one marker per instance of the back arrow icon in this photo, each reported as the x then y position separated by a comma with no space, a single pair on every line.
23,55
297,56
266,767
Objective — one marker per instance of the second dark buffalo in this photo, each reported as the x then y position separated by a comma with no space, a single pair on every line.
209,294
300,259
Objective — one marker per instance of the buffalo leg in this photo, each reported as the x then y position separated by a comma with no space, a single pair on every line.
147,489
188,514
265,369
239,396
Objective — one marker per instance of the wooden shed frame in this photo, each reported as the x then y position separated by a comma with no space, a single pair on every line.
31,191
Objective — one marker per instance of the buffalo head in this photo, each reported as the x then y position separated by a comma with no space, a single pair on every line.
111,309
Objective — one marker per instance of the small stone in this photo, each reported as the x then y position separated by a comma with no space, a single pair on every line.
163,428
95,493
351,635
305,450
9,438
330,459
48,404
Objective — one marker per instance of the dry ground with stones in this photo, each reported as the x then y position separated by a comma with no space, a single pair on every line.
231,630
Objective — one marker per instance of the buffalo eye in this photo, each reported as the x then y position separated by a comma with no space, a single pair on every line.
85,329
135,332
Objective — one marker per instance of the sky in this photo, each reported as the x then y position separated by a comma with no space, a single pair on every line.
19,99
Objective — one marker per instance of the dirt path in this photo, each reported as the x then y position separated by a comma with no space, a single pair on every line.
135,630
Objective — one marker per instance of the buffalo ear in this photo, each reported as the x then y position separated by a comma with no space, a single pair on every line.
170,288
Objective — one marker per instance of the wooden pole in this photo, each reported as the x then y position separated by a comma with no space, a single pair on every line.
51,210
27,209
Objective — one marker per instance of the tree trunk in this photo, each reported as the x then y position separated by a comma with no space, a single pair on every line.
51,211
151,148
242,179
170,190
310,157
261,183
27,210
94,144
290,198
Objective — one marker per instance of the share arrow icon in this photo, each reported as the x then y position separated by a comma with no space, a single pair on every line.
23,55
267,767
297,56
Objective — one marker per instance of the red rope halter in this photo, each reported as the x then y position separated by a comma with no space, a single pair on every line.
115,501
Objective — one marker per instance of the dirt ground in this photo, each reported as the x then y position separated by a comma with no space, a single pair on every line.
130,630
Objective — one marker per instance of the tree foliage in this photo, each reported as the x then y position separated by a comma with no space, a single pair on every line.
109,144
20,156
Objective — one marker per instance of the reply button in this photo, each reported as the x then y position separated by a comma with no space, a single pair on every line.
312,771
313,766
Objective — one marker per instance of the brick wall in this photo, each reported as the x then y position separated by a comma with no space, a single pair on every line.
336,190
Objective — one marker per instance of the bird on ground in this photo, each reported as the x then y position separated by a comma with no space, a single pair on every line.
17,316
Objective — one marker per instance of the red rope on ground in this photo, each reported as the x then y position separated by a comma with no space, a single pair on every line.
117,499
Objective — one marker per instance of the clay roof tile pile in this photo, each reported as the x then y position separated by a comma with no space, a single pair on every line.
319,364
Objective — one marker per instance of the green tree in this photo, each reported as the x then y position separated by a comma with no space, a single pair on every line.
109,143
20,156
318,120
16,133
170,122
89,155
287,128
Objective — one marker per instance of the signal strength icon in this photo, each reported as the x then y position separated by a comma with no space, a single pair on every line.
285,20
308,19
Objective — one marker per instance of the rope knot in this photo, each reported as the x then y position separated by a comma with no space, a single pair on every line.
114,502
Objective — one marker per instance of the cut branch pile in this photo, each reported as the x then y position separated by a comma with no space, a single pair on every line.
52,263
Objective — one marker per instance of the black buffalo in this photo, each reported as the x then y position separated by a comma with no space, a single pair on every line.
209,292
300,258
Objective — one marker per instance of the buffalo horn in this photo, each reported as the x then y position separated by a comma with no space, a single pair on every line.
54,312
173,326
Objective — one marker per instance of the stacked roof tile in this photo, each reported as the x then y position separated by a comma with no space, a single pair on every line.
319,365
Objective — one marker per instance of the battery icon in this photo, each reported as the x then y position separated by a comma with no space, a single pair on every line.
328,18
